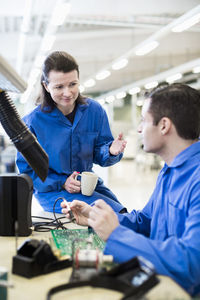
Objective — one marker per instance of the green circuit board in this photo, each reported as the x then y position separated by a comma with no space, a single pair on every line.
66,239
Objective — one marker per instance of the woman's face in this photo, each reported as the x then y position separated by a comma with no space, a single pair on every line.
64,89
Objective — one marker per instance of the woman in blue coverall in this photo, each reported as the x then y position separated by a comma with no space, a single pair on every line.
167,230
75,133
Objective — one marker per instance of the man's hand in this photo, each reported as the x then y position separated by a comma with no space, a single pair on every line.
80,210
118,145
102,219
71,184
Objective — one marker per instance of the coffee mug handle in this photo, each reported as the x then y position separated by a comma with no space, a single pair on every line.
77,176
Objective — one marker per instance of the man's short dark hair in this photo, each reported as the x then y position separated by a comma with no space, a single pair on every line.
181,104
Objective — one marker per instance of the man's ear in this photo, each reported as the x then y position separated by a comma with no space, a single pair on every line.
165,125
45,86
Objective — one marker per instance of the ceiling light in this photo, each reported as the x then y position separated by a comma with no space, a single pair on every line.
110,99
102,75
134,90
146,48
187,23
121,95
89,83
39,61
174,77
60,12
160,77
151,85
120,64
196,69
34,75
48,42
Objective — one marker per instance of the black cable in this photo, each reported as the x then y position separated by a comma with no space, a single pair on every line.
66,286
60,224
40,217
52,224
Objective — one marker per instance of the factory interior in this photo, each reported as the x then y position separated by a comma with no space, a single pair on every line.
124,48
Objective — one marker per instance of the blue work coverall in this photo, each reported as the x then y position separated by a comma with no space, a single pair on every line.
167,230
71,147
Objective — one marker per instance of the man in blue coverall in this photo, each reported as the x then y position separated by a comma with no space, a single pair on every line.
167,230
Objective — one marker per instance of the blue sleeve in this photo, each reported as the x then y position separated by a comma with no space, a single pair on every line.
102,154
136,221
139,221
176,257
53,182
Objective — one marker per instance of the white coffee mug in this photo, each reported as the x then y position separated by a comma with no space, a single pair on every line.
88,182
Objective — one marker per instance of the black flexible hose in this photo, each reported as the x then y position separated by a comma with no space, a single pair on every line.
22,137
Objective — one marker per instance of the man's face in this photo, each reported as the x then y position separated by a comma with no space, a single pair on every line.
151,135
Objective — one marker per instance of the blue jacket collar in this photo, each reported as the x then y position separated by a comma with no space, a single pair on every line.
56,112
79,111
183,156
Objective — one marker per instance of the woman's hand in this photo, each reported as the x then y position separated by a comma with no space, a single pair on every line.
118,145
72,185
80,210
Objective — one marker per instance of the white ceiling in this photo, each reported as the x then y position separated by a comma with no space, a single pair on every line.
97,32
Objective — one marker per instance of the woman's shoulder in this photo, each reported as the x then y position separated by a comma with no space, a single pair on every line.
33,114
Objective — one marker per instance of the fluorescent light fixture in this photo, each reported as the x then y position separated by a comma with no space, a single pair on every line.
187,23
81,88
120,64
121,95
60,12
161,77
48,42
110,99
134,90
34,76
102,75
90,83
39,61
146,48
174,77
196,69
151,85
